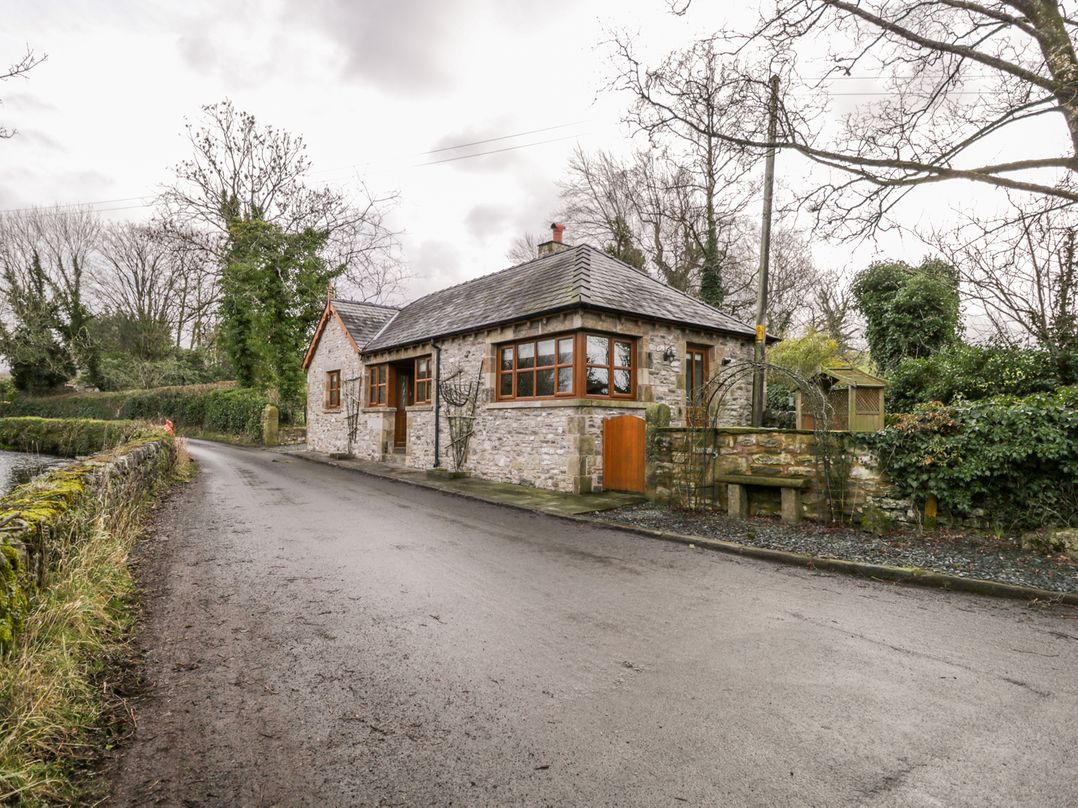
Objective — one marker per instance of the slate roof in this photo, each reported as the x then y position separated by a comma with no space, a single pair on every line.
363,320
579,277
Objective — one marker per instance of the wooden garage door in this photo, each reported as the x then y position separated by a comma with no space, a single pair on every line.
623,454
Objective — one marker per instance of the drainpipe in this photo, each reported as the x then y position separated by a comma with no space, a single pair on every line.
437,403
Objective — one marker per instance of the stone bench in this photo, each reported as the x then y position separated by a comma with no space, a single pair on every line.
737,493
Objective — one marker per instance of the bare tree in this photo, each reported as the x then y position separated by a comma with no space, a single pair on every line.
660,204
792,279
1021,272
241,170
524,248
19,69
139,281
960,78
832,308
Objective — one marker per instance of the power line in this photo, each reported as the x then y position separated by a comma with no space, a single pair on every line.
326,171
83,204
496,151
503,137
151,197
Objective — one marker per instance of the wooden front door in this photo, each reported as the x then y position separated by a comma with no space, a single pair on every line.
623,454
403,398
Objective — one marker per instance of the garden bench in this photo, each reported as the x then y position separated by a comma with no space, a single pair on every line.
737,493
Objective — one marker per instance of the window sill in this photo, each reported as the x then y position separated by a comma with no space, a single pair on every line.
602,403
331,409
420,408
383,408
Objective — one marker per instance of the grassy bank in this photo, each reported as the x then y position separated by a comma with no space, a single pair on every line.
70,621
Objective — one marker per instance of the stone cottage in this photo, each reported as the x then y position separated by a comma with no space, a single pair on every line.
553,351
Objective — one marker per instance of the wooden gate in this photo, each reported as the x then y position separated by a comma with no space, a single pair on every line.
623,454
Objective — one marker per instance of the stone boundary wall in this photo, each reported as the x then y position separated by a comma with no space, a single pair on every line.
676,456
36,517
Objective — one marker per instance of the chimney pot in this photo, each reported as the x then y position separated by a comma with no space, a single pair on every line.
555,245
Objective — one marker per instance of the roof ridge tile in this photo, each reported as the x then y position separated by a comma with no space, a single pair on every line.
337,300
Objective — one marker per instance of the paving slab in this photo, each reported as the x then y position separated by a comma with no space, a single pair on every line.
528,497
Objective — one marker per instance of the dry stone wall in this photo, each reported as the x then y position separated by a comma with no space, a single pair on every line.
858,490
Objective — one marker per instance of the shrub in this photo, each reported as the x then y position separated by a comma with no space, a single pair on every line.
234,412
1015,459
970,372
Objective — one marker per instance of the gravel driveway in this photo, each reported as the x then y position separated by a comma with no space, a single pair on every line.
316,637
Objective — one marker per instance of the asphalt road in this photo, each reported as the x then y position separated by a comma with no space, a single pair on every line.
318,637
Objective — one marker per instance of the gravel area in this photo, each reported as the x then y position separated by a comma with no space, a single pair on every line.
965,554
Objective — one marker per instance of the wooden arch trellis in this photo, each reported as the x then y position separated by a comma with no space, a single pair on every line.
713,398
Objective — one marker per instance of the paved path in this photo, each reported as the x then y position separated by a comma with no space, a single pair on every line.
317,637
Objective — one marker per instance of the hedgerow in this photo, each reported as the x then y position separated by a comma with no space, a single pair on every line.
68,437
1013,459
212,408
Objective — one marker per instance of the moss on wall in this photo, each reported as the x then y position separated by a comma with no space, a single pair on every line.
36,518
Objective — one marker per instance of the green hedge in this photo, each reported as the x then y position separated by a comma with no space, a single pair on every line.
970,372
1013,459
69,437
219,408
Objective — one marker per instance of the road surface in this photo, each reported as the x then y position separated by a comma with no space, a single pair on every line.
317,637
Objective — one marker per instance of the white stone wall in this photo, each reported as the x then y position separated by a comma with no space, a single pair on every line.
548,444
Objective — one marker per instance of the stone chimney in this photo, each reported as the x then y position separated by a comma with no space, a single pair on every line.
555,244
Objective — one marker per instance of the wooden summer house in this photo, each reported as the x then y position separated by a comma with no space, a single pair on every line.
855,400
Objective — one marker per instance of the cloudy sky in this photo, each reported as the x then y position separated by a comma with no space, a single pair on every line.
381,91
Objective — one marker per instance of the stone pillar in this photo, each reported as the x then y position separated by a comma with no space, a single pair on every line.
737,501
656,417
791,505
270,421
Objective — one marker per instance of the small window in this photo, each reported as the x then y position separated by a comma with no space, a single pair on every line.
422,380
333,390
379,377
609,372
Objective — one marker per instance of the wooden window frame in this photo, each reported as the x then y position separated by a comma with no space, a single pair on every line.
516,371
418,378
692,417
378,382
610,365
332,396
579,366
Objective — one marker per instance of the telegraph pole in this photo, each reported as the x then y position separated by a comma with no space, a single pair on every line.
758,376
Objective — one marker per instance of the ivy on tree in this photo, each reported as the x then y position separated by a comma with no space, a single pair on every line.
39,359
909,311
272,289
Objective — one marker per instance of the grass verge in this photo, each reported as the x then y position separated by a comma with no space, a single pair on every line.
62,684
